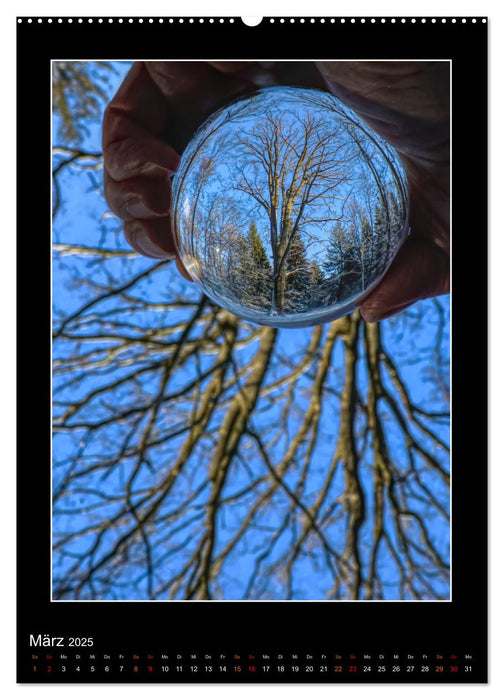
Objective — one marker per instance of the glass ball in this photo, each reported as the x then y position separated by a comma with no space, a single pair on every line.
287,207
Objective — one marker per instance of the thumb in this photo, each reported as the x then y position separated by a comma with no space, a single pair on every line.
420,270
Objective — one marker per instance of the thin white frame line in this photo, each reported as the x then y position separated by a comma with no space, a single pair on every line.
239,600
50,330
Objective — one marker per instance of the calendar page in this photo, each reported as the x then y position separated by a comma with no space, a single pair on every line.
256,370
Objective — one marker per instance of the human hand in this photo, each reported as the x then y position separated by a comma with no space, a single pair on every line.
145,128
405,102
149,122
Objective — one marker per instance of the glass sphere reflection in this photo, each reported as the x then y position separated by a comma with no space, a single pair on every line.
287,208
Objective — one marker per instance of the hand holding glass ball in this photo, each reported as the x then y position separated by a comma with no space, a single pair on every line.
287,208
326,241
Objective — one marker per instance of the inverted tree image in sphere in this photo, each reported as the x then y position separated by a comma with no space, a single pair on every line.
287,207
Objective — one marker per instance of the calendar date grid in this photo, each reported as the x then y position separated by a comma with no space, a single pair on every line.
251,664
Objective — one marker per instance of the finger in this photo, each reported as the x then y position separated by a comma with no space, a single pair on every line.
193,90
232,66
406,102
134,151
270,73
392,87
420,270
151,237
258,74
138,98
138,197
194,84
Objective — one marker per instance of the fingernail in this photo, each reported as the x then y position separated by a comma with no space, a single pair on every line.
141,242
137,208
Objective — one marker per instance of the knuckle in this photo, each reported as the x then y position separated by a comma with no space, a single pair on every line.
124,207
118,199
124,157
109,188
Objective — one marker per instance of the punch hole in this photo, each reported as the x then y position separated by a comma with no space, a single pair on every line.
251,21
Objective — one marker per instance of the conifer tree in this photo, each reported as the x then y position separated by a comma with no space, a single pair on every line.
316,275
367,260
257,249
334,254
381,236
343,259
259,275
297,270
252,272
396,216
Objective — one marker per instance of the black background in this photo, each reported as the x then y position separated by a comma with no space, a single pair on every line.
213,627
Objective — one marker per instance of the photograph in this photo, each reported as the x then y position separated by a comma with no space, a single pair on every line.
251,331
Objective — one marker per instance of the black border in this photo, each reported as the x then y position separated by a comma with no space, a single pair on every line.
458,627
